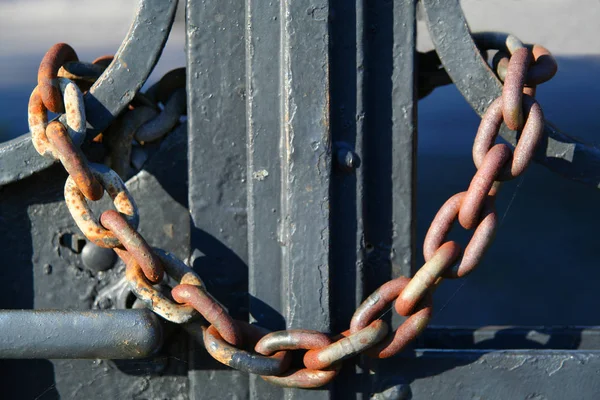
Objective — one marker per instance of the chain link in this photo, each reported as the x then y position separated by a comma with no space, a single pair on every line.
248,347
49,90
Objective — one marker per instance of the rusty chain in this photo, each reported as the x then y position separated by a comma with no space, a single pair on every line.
238,344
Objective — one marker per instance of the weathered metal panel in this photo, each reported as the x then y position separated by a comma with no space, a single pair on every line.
217,170
389,148
264,141
51,276
348,103
289,166
520,374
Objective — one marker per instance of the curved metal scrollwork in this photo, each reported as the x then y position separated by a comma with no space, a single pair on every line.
134,61
456,48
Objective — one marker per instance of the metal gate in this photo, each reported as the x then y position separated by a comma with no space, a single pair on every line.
290,190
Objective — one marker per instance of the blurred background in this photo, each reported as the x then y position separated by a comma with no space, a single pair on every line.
543,267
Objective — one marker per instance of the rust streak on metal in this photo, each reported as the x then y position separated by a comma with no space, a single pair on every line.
426,277
529,139
37,119
74,161
351,345
375,305
211,310
151,297
481,184
134,243
82,214
479,243
244,360
512,91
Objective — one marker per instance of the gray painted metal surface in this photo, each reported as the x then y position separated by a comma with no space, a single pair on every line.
288,171
51,276
133,63
520,374
279,232
217,173
272,154
115,334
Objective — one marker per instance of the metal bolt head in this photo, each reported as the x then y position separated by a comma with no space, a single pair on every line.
97,258
347,159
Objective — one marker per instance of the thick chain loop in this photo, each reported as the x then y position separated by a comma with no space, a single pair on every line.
374,306
198,298
83,215
74,119
512,91
530,137
480,241
476,196
244,346
153,298
160,125
135,245
297,339
349,345
245,360
74,161
427,277
49,90
120,134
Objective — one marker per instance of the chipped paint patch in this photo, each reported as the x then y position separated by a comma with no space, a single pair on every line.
260,175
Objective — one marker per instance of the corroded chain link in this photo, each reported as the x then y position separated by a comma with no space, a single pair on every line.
244,346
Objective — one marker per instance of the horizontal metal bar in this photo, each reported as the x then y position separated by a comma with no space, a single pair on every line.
102,334
511,337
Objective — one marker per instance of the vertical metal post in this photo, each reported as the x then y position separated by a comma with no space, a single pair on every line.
217,172
390,150
302,65
288,170
373,109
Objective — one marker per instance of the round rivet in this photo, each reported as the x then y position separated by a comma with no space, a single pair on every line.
347,159
97,258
